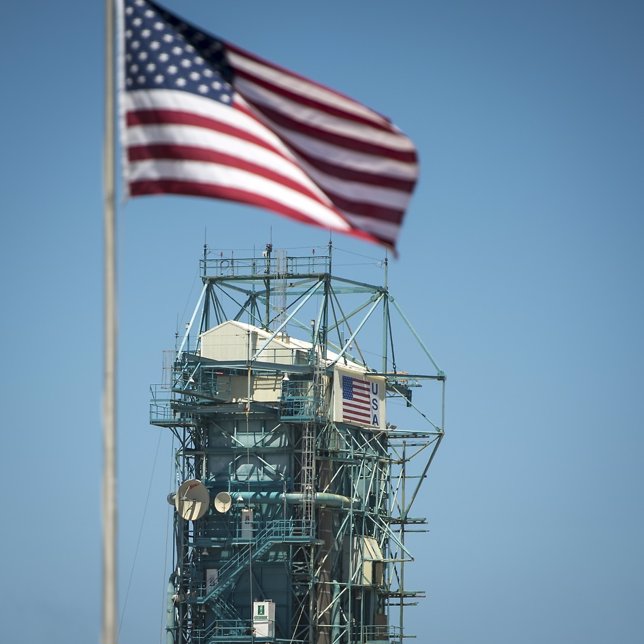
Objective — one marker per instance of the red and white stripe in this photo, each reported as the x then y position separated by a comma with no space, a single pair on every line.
286,144
358,410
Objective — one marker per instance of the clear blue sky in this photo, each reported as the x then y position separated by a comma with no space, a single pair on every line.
521,264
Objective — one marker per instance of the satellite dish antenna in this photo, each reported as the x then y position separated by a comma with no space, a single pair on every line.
192,500
223,502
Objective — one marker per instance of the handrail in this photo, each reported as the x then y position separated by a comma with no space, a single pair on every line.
265,539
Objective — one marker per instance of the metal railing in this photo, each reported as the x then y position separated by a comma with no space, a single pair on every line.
261,266
280,531
299,401
222,630
202,382
165,408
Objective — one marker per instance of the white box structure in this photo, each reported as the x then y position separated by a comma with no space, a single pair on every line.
264,618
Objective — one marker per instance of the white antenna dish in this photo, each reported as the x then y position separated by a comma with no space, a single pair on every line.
192,500
223,502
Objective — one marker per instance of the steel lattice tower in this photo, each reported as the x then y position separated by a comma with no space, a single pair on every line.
295,480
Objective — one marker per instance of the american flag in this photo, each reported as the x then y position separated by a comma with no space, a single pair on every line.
200,116
356,401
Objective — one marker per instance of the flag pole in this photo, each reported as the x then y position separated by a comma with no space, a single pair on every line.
109,634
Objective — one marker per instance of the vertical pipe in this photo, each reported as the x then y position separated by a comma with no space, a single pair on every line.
327,296
402,538
169,620
109,634
267,283
335,612
385,318
352,483
443,405
311,597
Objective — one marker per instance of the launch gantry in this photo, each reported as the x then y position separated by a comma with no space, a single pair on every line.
297,466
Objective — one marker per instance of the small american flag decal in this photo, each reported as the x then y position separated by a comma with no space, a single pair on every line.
356,401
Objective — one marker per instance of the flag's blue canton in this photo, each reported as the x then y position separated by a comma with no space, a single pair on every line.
347,388
163,52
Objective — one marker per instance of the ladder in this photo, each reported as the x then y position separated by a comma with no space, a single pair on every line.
307,480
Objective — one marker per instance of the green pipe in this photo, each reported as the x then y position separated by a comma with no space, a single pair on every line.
169,619
321,498
335,612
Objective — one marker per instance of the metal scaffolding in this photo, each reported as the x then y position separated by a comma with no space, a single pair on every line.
295,478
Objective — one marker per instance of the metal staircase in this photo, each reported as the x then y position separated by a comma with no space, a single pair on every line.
228,627
282,531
